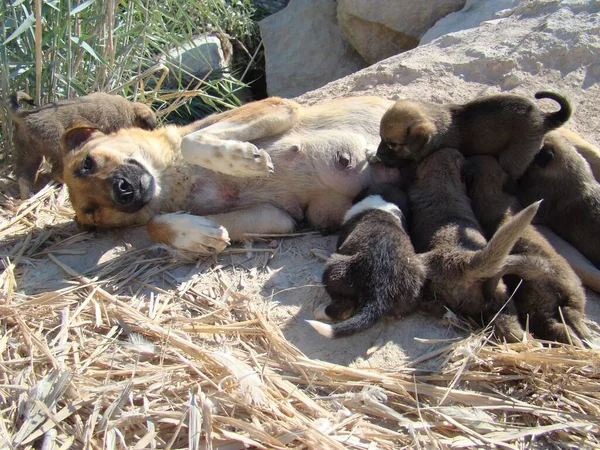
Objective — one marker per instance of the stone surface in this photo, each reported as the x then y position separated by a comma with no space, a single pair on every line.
207,56
472,15
543,44
385,28
304,48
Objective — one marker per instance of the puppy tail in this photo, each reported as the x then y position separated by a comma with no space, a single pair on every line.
556,119
368,316
490,261
15,101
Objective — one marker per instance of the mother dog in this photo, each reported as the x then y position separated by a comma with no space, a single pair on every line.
218,170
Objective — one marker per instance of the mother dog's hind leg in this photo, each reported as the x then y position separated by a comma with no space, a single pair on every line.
213,233
224,145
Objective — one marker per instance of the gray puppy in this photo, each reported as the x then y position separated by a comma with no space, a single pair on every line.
463,268
571,208
509,126
374,271
37,131
551,299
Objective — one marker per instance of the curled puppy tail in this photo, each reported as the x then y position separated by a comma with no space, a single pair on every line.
556,119
366,317
490,261
15,101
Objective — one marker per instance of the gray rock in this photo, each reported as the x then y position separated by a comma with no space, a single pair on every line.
304,48
383,28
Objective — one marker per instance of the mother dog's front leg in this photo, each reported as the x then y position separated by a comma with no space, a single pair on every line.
213,233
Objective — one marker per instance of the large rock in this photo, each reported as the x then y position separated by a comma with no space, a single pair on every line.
543,44
472,15
383,28
305,49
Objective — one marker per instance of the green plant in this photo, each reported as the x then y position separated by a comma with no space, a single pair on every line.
61,48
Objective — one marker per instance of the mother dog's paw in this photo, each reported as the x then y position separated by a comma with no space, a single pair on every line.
241,159
188,232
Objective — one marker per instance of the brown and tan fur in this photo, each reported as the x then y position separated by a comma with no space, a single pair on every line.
463,267
319,154
509,126
590,153
571,207
37,132
551,299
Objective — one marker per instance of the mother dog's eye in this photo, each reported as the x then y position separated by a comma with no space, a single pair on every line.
87,166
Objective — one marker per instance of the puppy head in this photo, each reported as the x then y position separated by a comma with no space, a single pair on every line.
484,177
110,178
388,192
405,131
442,167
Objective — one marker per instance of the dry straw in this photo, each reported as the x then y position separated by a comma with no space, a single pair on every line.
117,359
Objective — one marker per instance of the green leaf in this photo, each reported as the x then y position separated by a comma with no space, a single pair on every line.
84,45
26,25
85,5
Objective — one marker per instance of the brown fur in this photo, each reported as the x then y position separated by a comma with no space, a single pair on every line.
319,154
590,153
37,132
463,268
571,208
551,299
509,126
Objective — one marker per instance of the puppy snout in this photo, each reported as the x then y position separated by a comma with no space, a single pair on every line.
390,157
132,187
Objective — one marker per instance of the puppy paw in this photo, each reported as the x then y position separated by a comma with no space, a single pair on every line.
187,232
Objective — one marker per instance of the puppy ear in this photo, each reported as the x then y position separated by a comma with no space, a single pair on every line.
418,136
144,117
76,135
544,157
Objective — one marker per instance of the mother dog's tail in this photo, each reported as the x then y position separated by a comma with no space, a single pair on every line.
366,317
490,260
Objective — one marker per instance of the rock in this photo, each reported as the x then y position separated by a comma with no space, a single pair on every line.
304,48
207,56
472,15
385,28
542,45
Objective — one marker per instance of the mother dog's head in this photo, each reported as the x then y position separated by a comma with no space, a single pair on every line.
112,179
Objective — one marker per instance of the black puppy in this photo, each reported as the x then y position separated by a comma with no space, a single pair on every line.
374,271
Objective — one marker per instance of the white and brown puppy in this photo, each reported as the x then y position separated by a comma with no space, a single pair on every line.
463,268
37,132
509,126
374,271
571,208
551,299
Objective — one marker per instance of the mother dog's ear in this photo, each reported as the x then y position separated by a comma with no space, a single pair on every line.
76,135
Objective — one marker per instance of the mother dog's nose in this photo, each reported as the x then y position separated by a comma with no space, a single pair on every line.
123,191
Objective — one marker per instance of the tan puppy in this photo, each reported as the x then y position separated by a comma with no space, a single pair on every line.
551,299
319,154
462,267
37,132
509,126
590,153
571,207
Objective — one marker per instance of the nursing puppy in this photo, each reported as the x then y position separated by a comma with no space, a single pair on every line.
509,126
37,132
551,299
463,269
571,207
374,271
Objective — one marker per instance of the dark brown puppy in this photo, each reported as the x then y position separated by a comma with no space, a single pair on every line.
463,269
509,126
551,298
37,132
571,207
374,271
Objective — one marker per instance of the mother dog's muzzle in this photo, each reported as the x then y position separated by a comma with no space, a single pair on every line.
132,187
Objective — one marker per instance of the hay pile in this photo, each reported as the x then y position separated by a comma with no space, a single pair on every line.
127,356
